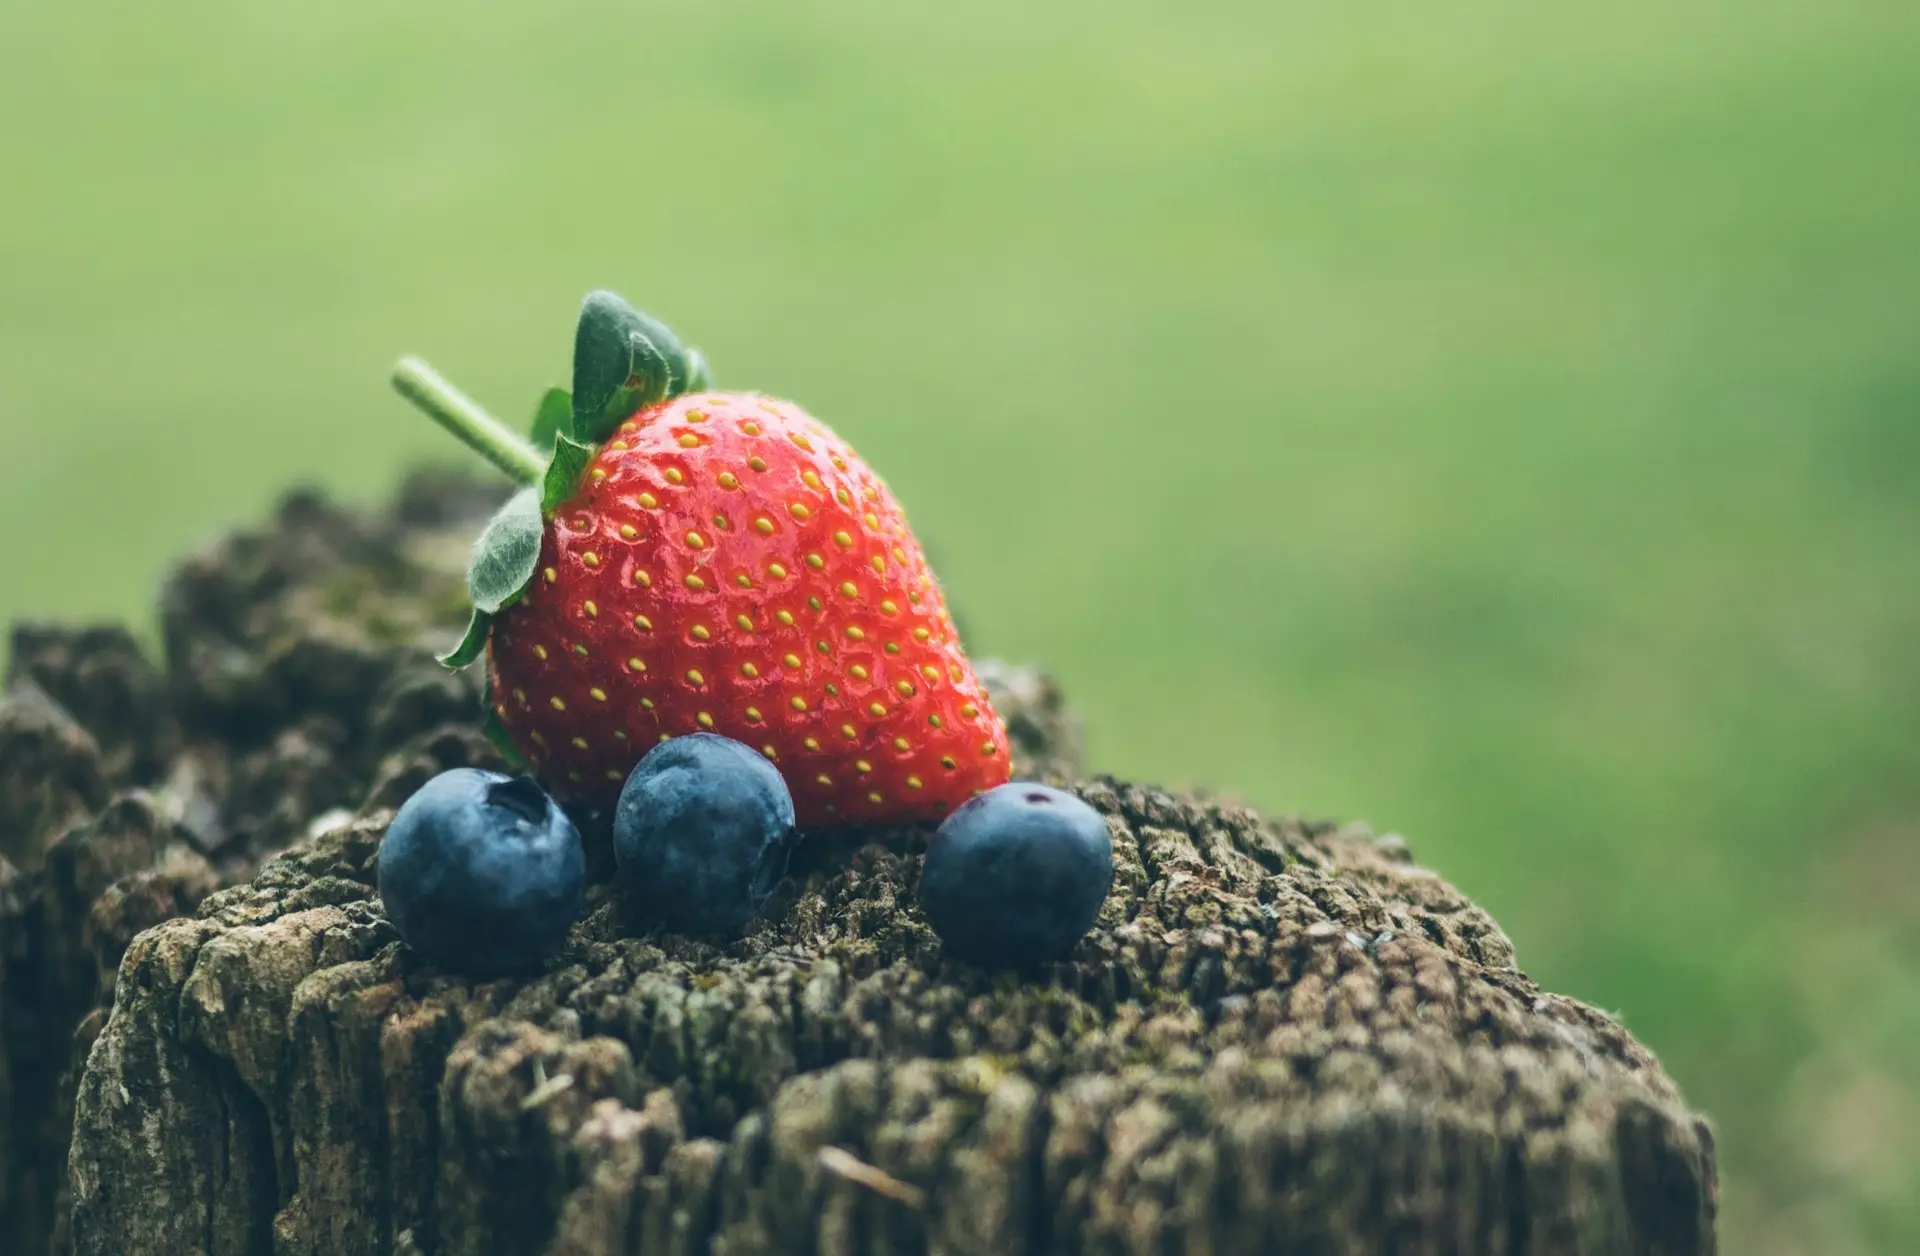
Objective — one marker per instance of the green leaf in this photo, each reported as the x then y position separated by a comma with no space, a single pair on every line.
554,418
497,733
507,553
570,459
471,644
622,360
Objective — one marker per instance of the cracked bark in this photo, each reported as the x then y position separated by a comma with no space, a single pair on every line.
1280,1036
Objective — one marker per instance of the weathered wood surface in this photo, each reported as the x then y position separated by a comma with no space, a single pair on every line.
1280,1037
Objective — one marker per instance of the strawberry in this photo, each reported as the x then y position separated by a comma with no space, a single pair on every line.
718,562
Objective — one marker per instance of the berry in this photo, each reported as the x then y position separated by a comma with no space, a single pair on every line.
482,873
729,565
707,561
1016,876
702,833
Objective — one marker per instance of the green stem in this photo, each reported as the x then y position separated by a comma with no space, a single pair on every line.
462,415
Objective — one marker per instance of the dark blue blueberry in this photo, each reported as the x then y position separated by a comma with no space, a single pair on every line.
482,873
702,834
1016,876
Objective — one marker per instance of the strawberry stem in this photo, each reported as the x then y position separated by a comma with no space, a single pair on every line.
463,416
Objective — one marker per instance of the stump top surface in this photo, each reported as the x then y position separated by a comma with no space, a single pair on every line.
1279,1034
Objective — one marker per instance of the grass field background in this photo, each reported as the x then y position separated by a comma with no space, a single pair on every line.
1497,421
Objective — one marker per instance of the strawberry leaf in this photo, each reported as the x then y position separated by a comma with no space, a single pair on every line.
623,360
570,458
471,645
507,553
554,418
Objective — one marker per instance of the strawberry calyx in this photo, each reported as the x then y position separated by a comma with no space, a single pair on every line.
623,360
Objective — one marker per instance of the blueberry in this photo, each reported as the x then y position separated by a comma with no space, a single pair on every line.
1015,876
482,873
702,834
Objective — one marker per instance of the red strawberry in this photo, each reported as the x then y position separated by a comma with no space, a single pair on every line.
728,564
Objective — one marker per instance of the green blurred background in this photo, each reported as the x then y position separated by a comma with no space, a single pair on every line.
1497,421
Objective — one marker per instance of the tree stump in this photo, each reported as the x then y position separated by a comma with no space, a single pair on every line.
1280,1036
